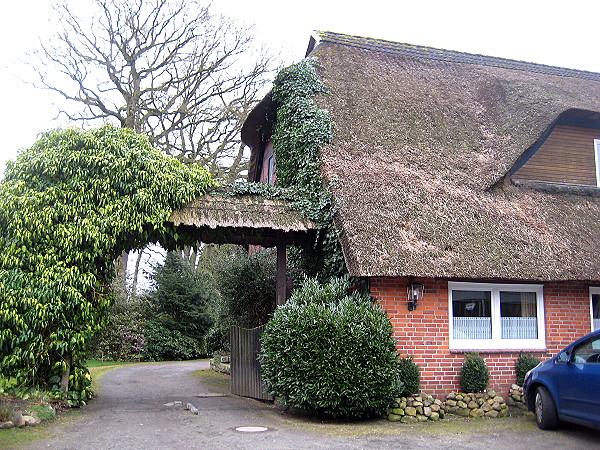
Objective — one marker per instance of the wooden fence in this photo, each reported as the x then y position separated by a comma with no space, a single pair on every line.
246,379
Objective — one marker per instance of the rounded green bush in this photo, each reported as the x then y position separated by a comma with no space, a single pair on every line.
331,352
523,365
474,375
410,375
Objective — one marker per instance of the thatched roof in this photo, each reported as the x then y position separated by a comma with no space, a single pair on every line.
424,143
242,219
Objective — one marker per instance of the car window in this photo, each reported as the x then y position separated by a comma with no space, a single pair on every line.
588,351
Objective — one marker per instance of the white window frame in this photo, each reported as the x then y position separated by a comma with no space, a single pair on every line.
597,159
593,291
496,342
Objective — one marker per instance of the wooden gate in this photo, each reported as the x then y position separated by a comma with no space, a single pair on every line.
246,379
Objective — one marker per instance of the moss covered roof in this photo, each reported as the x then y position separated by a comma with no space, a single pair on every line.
424,139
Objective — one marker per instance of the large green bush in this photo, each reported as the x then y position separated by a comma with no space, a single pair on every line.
69,206
523,365
331,352
474,374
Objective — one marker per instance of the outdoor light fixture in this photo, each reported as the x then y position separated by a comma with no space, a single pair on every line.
415,294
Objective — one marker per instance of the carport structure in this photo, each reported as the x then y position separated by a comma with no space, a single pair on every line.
221,217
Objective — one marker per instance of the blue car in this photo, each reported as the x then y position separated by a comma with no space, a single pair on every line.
567,386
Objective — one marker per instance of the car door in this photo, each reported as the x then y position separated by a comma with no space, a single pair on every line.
579,382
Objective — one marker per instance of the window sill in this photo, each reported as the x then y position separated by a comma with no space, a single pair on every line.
503,350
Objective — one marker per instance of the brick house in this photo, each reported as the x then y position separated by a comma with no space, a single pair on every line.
472,181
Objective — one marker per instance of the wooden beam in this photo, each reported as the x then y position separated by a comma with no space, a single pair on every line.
281,269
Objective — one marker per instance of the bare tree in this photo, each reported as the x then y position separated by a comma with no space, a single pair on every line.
166,68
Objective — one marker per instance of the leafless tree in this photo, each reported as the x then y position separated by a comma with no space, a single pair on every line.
165,68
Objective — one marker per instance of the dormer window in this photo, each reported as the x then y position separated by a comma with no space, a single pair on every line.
568,154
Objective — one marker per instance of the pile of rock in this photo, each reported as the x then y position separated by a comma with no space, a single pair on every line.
481,404
221,363
515,398
20,420
416,408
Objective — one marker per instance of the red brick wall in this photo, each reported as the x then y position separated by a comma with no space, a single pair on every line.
423,332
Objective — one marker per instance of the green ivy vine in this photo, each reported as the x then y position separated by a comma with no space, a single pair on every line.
69,206
301,129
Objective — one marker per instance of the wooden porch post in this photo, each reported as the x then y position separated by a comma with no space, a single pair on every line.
281,269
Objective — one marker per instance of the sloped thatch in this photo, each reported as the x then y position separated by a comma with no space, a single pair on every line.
247,219
424,141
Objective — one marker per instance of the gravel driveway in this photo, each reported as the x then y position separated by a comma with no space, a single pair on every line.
137,410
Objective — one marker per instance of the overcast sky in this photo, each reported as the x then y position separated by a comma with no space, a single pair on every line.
551,32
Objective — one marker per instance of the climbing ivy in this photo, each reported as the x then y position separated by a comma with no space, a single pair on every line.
68,207
301,129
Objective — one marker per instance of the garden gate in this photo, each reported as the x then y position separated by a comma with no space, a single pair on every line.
246,379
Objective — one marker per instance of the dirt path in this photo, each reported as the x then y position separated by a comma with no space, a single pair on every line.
135,411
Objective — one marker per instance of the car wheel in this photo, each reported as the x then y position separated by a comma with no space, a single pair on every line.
545,410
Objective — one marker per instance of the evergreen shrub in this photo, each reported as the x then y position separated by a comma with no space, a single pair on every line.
474,375
409,375
523,365
331,352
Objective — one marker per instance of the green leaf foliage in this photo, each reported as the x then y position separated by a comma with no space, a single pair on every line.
301,129
410,376
247,293
331,352
523,365
69,206
474,374
180,303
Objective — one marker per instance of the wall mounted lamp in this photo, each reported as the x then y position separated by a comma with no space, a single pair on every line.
415,295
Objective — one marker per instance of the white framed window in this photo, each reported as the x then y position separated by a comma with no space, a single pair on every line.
496,316
597,158
595,307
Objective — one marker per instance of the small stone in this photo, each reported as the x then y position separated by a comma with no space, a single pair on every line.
402,404
486,407
18,420
480,401
492,413
472,405
514,387
476,413
434,416
394,417
461,404
496,406
451,396
410,411
498,399
427,411
438,402
491,393
225,359
462,412
6,425
451,402
459,397
510,401
419,410
503,412
30,420
397,411
417,403
435,408
409,419
419,399
442,413
422,418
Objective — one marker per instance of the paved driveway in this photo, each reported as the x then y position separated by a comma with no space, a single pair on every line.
136,410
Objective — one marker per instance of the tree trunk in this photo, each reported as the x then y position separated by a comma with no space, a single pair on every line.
136,270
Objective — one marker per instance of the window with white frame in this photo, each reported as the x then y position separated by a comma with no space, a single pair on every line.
595,305
496,316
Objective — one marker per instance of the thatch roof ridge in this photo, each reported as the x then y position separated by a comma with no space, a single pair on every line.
438,54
